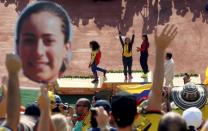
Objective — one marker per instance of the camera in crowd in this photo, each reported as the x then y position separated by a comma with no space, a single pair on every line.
93,112
63,106
93,121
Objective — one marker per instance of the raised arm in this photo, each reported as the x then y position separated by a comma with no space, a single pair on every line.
102,119
161,42
13,65
45,122
120,35
133,36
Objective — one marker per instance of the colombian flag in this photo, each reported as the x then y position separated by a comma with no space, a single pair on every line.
140,91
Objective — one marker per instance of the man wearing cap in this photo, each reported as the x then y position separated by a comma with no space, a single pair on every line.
82,109
95,123
193,118
56,105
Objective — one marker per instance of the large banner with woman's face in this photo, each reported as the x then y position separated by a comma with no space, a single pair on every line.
43,35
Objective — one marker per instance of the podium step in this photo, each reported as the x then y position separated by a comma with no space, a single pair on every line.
84,86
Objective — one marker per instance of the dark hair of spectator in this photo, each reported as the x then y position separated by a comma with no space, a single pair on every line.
45,6
32,110
124,110
145,36
187,75
172,122
169,55
94,45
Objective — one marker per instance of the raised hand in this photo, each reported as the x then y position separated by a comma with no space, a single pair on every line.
102,117
138,49
13,63
165,38
44,105
44,101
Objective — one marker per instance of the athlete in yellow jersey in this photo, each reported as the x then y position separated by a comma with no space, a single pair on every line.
95,60
127,54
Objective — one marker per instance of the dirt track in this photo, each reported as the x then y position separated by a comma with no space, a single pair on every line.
99,21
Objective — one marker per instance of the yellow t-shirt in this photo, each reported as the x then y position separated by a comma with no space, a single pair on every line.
148,121
126,53
93,55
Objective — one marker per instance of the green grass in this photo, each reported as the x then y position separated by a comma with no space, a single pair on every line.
29,96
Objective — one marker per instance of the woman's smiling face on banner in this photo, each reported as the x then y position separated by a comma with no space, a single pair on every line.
41,46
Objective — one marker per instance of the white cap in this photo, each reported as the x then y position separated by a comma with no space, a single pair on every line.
193,117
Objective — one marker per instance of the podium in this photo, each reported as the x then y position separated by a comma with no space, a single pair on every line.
83,86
